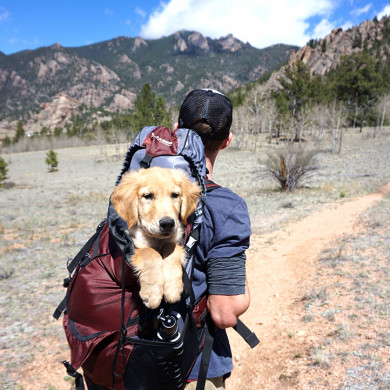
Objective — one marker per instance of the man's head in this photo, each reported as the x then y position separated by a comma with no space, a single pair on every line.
209,113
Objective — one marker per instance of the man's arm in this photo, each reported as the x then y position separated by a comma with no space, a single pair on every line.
225,309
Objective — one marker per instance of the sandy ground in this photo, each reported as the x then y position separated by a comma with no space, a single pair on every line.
279,266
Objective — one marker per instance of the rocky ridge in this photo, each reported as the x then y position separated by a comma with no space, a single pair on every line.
324,54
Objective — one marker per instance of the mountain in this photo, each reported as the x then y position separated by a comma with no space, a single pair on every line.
110,74
322,55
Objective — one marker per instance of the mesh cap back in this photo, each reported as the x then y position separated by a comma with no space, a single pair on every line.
208,106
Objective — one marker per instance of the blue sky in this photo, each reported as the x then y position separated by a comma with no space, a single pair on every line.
28,24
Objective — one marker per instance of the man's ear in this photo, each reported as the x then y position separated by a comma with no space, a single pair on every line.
125,198
227,141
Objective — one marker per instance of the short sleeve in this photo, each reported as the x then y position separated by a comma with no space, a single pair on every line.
232,228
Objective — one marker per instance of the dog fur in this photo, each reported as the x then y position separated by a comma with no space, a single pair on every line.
155,203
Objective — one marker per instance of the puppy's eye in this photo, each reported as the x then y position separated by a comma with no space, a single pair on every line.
148,196
174,195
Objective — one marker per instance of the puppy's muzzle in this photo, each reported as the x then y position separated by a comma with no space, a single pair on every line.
167,225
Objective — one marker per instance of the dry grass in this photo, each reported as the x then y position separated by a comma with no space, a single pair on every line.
46,217
352,311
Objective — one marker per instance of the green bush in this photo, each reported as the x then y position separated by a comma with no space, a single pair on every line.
3,171
51,160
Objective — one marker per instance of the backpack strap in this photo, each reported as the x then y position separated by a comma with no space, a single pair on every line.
78,259
210,185
192,238
246,334
78,378
206,354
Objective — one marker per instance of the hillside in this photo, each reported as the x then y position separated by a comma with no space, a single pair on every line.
109,74
324,54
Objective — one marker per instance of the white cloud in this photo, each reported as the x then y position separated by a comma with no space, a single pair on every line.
384,12
361,11
4,15
260,22
323,28
139,11
108,12
348,24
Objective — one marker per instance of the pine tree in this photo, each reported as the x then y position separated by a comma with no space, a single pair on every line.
51,160
3,171
323,47
357,42
7,141
144,107
296,90
148,110
161,117
357,82
20,133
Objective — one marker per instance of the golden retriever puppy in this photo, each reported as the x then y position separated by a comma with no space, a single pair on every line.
155,203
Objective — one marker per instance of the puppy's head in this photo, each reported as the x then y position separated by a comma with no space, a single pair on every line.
156,200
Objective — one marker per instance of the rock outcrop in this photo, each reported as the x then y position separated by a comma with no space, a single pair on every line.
321,55
198,40
56,113
230,43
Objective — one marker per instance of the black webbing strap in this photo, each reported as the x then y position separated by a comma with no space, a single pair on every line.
206,355
187,286
75,262
246,334
78,378
85,249
145,162
60,309
210,185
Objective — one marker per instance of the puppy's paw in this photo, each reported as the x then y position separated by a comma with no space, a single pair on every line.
151,296
172,290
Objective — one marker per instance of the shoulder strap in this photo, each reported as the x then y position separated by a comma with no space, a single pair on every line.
210,185
242,330
75,262
206,354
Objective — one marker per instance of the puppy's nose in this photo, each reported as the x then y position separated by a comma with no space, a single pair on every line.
167,224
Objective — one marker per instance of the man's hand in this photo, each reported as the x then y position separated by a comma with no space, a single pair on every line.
225,309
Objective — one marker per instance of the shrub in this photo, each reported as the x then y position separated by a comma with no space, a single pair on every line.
3,171
290,167
51,160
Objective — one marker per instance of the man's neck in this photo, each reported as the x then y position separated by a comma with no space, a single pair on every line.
210,160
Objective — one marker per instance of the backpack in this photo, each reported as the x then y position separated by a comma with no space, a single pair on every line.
104,317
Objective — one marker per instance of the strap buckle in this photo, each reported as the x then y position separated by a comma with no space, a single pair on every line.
79,382
71,370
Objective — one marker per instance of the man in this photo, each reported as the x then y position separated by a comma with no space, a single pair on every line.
219,268
224,235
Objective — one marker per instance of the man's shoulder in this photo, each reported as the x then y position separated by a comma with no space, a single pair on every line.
227,221
223,203
222,195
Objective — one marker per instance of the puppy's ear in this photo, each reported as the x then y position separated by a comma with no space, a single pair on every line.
190,195
125,198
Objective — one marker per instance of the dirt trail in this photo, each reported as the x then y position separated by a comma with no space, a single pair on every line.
278,267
